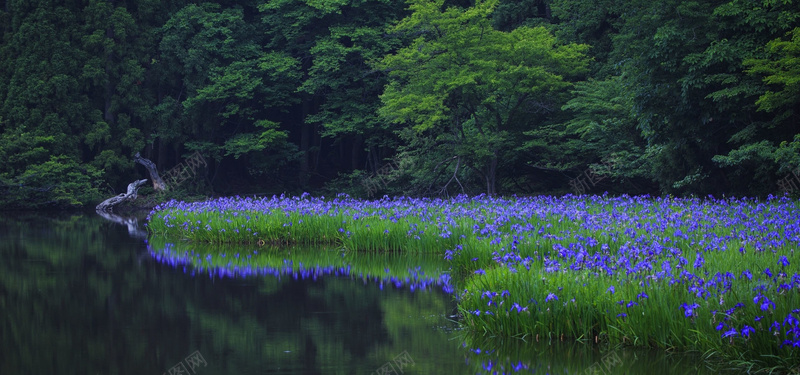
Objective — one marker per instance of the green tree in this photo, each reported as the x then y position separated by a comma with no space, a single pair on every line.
672,114
118,41
595,23
761,145
469,89
692,100
45,111
228,91
336,121
598,128
75,93
782,72
349,90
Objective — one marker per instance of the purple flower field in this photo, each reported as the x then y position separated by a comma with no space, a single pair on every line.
711,275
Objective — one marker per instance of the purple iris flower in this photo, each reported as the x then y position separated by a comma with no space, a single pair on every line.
747,330
699,261
519,308
730,333
794,343
763,302
689,310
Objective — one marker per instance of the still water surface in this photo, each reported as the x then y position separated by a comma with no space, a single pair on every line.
83,295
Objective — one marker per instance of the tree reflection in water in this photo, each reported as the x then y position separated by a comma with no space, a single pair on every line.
81,294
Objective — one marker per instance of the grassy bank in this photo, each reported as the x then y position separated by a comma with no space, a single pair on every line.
391,225
715,276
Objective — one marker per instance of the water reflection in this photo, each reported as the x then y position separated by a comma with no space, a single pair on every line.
415,272
81,295
131,222
515,356
77,299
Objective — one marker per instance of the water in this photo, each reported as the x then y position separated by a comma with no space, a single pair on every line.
80,294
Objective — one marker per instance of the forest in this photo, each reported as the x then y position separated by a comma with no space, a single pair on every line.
382,97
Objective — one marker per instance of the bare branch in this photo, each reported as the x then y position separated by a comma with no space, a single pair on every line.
453,177
158,183
108,204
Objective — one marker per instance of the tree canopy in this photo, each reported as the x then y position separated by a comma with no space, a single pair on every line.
429,97
473,88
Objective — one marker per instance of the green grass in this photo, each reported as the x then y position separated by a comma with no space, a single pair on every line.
509,254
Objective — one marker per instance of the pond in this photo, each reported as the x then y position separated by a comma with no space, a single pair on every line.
84,295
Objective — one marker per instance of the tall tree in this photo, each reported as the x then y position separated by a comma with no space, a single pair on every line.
471,89
228,92
772,142
119,43
693,101
76,95
597,129
44,111
338,92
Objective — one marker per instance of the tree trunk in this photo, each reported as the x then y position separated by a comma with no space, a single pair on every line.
158,183
305,146
491,176
355,151
108,204
305,136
